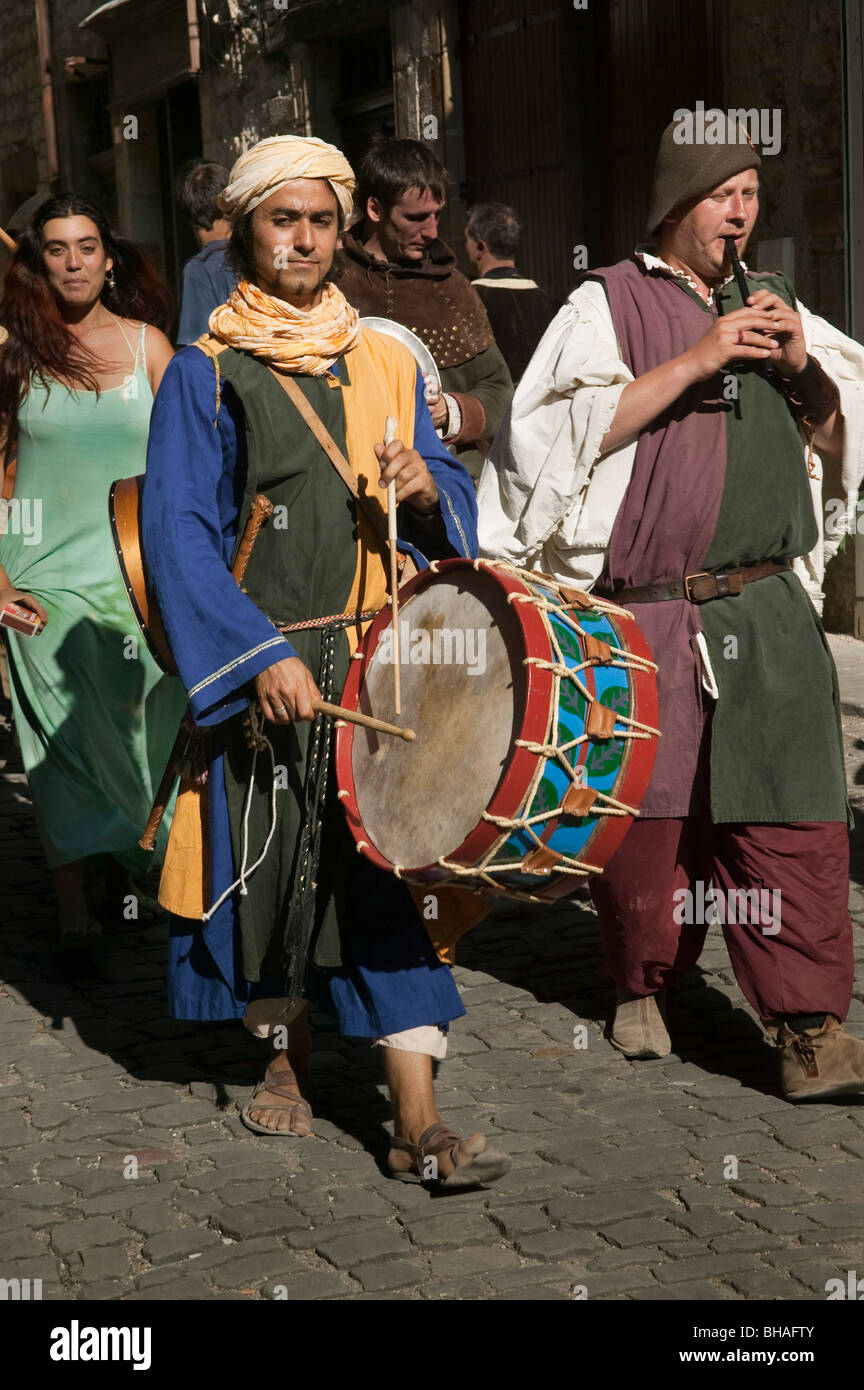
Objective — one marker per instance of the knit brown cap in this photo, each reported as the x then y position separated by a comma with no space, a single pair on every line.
685,171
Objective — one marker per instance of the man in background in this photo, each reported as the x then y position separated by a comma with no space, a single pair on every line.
208,279
395,265
519,311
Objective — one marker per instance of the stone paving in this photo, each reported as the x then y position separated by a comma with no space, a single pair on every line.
688,1178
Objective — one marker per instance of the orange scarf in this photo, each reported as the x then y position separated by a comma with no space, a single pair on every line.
308,341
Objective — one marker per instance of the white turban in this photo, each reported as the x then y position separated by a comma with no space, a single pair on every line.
272,163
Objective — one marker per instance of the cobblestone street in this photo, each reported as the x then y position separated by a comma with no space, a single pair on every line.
624,1180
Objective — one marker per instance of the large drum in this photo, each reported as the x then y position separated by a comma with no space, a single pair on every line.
535,713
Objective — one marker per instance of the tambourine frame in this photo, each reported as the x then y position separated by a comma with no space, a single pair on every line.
124,512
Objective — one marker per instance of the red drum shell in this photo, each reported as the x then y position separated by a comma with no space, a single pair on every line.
527,636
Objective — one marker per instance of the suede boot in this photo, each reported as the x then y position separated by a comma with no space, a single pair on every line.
638,1028
820,1062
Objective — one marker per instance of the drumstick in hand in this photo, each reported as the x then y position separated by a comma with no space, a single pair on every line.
389,436
353,716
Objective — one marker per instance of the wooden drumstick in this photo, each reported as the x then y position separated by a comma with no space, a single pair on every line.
352,716
389,436
8,240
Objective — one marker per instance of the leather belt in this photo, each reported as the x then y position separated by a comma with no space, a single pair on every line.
335,620
702,587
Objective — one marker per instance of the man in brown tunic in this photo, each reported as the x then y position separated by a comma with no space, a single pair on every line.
693,494
394,265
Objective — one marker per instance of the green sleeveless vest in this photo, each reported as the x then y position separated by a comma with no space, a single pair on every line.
302,567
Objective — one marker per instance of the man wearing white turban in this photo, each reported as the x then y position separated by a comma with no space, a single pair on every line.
262,171
313,921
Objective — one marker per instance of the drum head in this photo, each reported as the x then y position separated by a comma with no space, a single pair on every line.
463,693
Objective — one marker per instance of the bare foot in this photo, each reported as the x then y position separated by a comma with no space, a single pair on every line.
289,1112
74,920
73,914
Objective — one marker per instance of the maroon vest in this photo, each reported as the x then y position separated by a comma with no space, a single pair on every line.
668,515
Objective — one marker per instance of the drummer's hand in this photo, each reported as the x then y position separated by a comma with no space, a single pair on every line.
9,594
413,480
286,691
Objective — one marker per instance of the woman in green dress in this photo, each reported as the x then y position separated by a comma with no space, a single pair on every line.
94,715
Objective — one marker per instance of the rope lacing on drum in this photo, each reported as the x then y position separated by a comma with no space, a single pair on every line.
483,873
623,660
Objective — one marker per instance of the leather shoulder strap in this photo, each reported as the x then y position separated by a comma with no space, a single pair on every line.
338,459
327,442
320,431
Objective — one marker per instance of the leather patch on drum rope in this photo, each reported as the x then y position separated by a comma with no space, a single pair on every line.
596,649
601,721
574,598
540,861
578,800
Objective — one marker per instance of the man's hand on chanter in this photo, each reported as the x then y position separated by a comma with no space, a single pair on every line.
405,467
791,356
745,335
286,691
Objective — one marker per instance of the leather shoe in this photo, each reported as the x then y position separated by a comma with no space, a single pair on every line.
638,1028
820,1062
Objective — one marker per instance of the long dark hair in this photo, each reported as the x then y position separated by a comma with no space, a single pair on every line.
40,342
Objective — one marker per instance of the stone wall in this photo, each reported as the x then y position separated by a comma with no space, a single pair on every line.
23,145
260,81
79,102
23,164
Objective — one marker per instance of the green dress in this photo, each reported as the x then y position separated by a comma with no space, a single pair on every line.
95,716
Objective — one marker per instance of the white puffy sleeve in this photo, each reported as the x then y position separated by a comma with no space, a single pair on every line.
545,501
843,360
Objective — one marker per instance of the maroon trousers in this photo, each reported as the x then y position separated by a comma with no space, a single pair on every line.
642,900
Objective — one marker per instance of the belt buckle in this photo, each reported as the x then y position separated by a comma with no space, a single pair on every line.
690,579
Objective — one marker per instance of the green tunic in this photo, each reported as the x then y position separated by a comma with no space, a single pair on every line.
302,567
776,747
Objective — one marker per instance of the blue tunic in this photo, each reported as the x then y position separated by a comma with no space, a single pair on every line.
391,978
208,281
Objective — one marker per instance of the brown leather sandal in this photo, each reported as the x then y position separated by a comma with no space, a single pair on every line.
289,1093
485,1165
